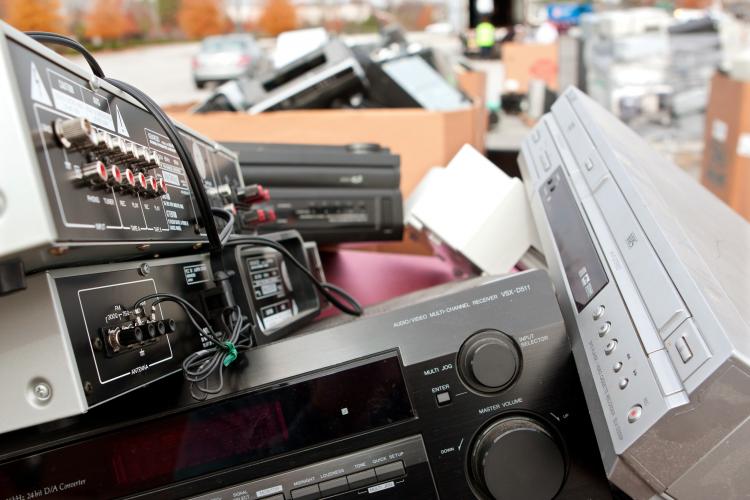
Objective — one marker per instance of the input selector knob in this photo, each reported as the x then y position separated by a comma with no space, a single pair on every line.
489,361
517,458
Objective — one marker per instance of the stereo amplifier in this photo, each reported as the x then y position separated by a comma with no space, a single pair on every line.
89,174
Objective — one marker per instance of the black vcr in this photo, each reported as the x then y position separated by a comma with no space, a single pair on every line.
330,194
473,394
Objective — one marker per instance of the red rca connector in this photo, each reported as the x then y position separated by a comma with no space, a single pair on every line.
271,215
255,193
152,186
141,182
93,174
251,218
128,181
162,187
115,176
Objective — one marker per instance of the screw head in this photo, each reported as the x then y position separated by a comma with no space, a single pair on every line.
144,269
57,251
42,391
88,388
98,344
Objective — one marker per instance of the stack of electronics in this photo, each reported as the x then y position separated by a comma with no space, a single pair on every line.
623,372
652,71
335,75
130,248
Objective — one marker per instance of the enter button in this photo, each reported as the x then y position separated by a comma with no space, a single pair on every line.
389,471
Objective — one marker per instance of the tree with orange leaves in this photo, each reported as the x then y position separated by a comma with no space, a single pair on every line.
278,16
425,16
35,15
201,18
107,20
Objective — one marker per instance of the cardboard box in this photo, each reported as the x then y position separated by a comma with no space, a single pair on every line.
530,61
424,139
726,157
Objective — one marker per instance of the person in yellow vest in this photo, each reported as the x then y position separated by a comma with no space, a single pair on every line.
484,34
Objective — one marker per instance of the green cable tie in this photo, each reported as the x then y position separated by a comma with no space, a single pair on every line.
231,353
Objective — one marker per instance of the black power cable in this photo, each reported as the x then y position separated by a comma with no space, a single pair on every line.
54,38
334,294
199,366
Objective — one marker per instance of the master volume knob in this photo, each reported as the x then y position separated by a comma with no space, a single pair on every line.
517,458
489,361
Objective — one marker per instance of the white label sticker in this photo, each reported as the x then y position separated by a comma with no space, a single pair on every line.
170,178
381,487
269,491
719,130
743,145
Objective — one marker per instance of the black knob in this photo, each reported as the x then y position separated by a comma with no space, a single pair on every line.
489,361
517,458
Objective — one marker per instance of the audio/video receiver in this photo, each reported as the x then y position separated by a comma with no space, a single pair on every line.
473,394
89,174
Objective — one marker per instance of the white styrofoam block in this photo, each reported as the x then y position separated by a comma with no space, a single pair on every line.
477,210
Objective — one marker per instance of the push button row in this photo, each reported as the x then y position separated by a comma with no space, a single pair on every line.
351,482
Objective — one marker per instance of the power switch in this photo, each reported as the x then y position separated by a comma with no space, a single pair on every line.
683,349
687,349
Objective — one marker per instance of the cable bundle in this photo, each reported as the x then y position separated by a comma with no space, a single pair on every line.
199,366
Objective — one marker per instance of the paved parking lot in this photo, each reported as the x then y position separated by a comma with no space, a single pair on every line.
164,71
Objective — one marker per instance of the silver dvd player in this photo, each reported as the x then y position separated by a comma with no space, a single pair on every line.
652,275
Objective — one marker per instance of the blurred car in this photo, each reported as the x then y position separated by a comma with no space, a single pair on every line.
226,57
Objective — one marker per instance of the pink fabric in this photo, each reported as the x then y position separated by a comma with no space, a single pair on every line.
372,277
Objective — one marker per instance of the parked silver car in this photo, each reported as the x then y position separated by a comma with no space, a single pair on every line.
227,57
